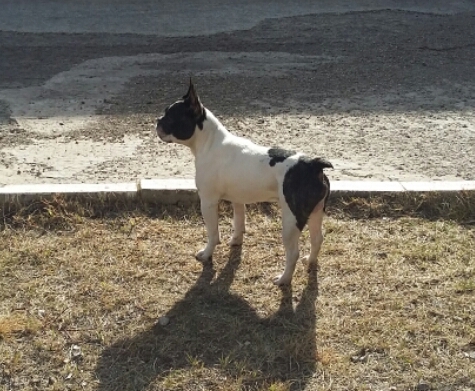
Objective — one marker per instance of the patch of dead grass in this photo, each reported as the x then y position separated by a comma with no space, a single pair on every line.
17,324
83,288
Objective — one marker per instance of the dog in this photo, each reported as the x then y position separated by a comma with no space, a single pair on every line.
237,170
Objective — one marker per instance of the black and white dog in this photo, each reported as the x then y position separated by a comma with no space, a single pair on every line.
235,169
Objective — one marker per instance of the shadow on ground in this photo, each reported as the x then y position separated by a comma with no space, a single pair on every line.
216,332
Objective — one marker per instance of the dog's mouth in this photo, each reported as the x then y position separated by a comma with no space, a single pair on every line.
165,138
162,135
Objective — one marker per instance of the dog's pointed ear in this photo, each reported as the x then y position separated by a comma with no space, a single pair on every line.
191,89
193,100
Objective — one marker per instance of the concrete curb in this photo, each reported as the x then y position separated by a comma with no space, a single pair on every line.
95,191
173,191
168,191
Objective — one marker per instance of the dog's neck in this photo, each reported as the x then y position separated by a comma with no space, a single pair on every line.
213,132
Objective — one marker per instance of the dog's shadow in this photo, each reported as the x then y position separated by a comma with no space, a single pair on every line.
216,330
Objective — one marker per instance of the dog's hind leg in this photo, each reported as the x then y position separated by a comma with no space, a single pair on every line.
290,235
315,223
239,224
209,210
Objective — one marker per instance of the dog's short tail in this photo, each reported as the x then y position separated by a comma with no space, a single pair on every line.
320,163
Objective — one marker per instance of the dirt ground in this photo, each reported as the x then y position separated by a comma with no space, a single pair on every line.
384,95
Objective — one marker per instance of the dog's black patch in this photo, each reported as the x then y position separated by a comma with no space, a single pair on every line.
201,119
180,120
193,100
305,185
278,155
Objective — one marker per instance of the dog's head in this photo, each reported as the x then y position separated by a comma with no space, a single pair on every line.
182,118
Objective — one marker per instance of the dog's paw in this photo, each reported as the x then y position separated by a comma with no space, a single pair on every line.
202,256
282,280
310,264
236,241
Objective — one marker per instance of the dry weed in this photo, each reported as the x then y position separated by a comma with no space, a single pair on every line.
98,298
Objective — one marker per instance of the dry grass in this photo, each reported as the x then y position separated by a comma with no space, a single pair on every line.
83,287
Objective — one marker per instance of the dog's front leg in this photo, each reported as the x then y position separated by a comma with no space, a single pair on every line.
209,210
239,224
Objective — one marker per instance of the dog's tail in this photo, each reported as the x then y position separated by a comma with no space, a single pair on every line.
320,164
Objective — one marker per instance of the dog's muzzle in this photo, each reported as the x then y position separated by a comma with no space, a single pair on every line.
161,134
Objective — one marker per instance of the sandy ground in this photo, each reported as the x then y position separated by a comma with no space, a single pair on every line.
384,95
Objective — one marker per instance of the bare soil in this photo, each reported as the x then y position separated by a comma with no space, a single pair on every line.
384,95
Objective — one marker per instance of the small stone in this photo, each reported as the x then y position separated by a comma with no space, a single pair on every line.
423,387
470,355
35,380
469,350
163,320
51,380
76,352
360,357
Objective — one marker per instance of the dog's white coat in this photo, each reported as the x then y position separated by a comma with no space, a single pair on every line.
235,169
